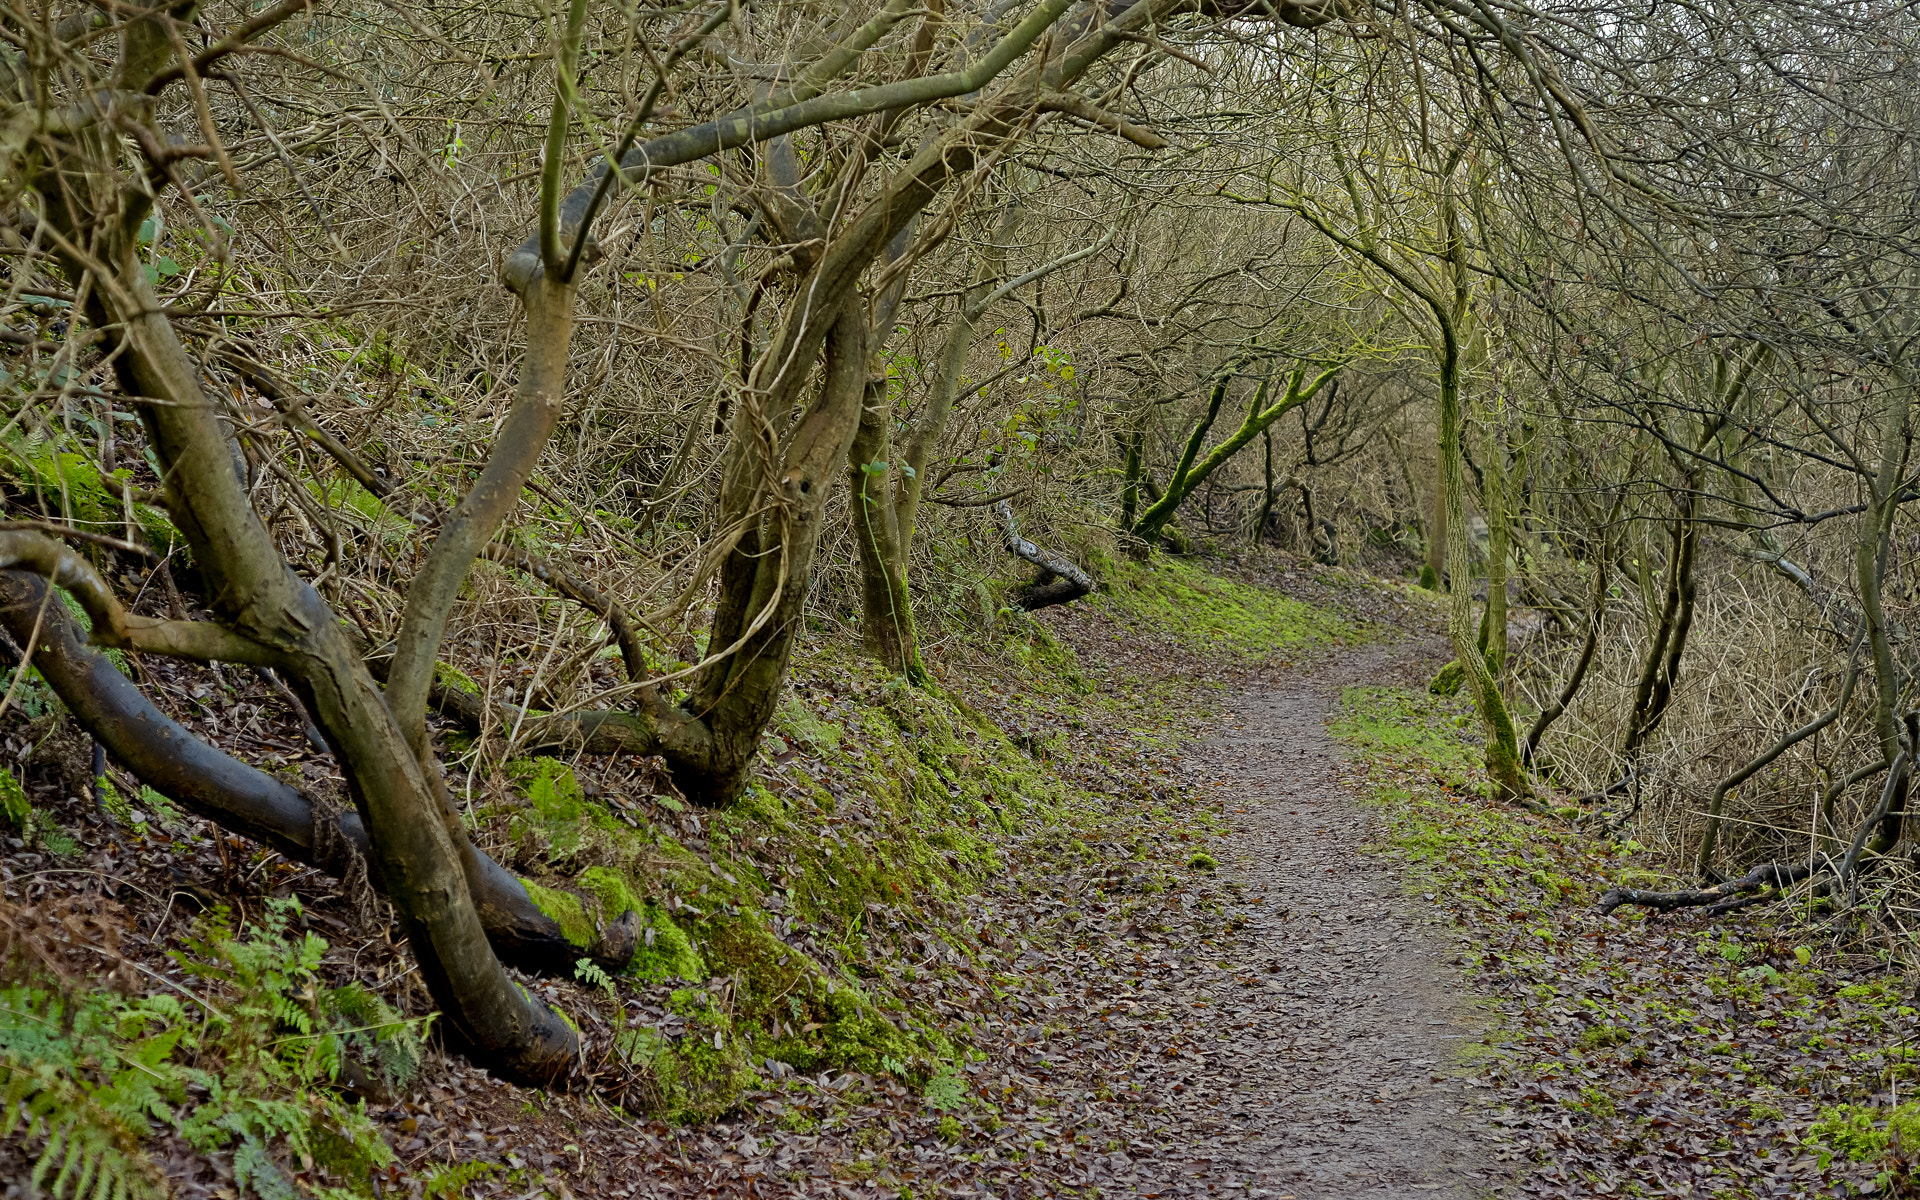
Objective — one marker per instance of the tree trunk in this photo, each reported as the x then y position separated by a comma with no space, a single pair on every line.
1870,567
886,611
885,505
763,583
1661,671
260,598
1130,493
1502,755
1499,544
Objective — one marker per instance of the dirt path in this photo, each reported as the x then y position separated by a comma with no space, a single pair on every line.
1337,1055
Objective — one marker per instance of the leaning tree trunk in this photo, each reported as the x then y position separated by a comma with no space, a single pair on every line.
1192,470
302,826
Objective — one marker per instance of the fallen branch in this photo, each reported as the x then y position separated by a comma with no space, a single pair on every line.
1767,875
1059,581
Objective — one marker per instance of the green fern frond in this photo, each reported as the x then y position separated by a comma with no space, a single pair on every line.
452,1180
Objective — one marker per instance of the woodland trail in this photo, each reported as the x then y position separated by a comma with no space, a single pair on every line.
1339,1066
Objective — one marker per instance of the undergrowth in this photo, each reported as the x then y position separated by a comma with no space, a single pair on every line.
247,1065
1633,1046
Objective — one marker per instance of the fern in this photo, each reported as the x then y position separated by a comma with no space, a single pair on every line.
452,1180
48,1049
86,1077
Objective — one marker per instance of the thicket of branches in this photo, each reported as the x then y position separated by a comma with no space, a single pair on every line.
335,348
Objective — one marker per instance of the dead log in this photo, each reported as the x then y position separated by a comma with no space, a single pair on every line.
1761,883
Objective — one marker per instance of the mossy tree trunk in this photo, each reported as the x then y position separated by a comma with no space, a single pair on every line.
1502,750
1499,546
1192,470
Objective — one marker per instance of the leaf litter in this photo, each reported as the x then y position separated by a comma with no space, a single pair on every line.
1258,968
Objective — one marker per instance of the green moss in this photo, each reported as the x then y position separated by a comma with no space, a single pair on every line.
453,677
66,482
1600,1037
1202,861
69,483
15,809
610,889
566,910
797,723
1448,680
1219,614
702,1074
1862,1133
1399,721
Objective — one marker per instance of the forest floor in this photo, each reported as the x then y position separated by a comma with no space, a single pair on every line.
1294,953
